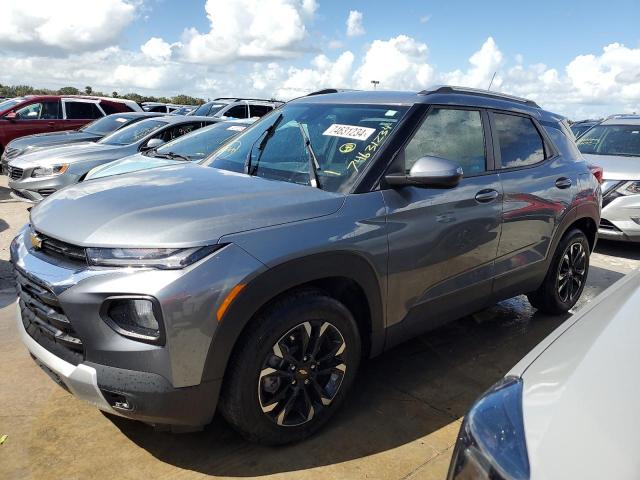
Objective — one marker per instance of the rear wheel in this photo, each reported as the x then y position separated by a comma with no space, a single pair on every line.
566,277
291,373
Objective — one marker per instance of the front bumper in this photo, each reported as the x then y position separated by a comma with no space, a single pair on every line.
36,189
618,219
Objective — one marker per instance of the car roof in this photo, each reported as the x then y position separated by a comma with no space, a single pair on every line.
438,95
622,120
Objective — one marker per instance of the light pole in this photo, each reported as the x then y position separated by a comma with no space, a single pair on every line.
375,83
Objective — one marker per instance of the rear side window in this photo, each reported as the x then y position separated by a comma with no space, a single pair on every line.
259,110
239,111
114,107
456,135
519,141
82,111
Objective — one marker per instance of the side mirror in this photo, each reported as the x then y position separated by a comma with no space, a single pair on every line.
153,143
11,116
432,172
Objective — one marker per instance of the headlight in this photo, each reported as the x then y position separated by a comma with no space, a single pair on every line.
629,188
491,443
164,258
49,171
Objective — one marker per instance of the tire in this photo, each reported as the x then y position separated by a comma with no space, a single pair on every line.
566,277
275,394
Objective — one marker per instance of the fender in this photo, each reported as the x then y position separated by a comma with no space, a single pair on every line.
271,283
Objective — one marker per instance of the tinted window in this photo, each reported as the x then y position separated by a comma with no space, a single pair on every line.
611,140
519,141
82,110
259,110
106,125
344,138
132,133
456,135
201,143
239,111
40,110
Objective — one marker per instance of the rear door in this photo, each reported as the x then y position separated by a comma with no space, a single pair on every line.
35,117
538,191
80,112
443,242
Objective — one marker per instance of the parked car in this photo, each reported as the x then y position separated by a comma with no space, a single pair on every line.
238,108
160,107
184,110
614,145
578,128
332,229
565,403
36,175
91,132
50,113
192,147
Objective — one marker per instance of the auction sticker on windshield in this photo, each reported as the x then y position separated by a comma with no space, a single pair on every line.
349,131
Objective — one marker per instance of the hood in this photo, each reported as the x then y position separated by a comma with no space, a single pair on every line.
49,139
129,164
580,391
69,154
182,205
616,167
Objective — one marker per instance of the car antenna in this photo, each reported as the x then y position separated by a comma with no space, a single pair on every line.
491,82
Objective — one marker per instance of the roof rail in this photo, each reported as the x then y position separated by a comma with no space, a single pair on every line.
478,92
238,99
623,115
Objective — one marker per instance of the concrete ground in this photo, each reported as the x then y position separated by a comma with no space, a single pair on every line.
400,421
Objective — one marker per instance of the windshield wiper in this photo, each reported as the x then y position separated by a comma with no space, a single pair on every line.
172,156
314,166
266,135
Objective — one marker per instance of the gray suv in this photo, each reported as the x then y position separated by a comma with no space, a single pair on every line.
336,227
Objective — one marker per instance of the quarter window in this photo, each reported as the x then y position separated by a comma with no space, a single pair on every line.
456,135
519,141
82,111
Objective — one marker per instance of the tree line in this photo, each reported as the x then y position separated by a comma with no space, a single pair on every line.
22,90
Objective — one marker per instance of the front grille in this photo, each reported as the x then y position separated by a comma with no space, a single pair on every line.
60,249
607,225
14,172
45,321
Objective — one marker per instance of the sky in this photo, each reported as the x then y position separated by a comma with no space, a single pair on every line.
580,59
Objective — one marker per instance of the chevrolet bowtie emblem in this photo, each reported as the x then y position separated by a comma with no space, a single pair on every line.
36,241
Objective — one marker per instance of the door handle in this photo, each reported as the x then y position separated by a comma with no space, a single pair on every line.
563,182
487,195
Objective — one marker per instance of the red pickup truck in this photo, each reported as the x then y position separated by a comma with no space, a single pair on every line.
51,113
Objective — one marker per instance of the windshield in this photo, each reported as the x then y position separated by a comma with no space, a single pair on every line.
208,109
611,140
199,144
4,105
105,125
342,140
132,133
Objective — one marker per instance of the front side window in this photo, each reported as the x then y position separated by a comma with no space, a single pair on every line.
455,135
623,140
82,110
132,133
302,141
519,141
40,111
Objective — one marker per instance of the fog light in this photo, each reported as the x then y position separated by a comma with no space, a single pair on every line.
135,318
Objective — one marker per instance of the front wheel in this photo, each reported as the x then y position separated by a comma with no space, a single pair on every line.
292,371
567,275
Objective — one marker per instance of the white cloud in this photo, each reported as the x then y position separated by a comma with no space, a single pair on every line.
156,49
249,30
354,24
397,63
484,63
63,26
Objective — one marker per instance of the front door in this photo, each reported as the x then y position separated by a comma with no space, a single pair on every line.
36,117
443,242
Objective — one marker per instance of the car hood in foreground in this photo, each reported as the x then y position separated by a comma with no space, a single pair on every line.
69,154
182,205
581,390
616,167
129,164
42,140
